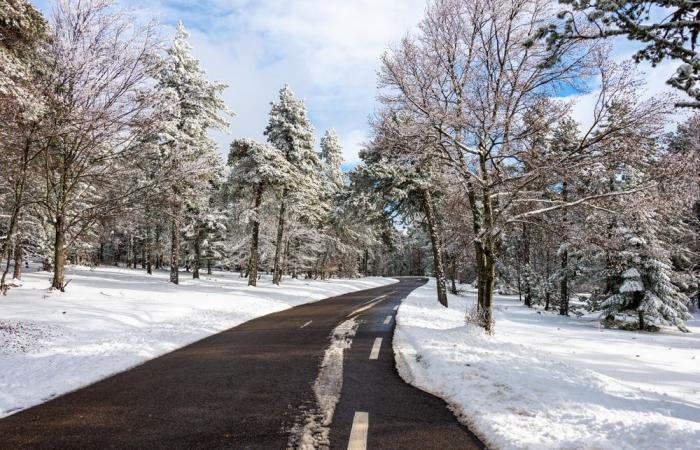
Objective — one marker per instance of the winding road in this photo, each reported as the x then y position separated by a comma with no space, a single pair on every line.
252,387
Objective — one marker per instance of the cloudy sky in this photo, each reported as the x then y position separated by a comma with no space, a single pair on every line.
327,50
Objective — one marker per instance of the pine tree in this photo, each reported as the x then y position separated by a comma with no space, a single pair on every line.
291,132
332,159
191,154
256,168
641,285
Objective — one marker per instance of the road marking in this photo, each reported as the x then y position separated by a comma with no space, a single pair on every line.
358,432
387,321
364,308
375,298
396,308
307,323
375,348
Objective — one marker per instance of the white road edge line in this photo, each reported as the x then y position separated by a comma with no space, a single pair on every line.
374,354
358,432
387,321
307,323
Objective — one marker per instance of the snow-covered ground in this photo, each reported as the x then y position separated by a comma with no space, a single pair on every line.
545,381
110,319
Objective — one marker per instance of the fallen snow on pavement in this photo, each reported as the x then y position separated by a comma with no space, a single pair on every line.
553,382
111,319
313,434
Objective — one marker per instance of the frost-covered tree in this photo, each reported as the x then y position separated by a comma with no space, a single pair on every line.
332,159
666,30
291,132
188,150
99,90
23,33
475,92
257,170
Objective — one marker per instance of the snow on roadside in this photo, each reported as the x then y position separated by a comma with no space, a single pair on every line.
550,382
111,319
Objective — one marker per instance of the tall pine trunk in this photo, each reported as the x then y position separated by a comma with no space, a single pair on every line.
197,252
564,280
277,268
149,250
175,247
436,243
254,257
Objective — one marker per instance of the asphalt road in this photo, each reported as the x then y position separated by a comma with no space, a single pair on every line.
246,387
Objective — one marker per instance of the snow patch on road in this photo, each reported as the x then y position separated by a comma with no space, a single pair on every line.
110,319
550,382
313,433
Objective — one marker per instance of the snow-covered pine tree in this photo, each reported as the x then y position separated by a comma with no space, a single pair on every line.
641,286
191,154
291,132
256,169
332,159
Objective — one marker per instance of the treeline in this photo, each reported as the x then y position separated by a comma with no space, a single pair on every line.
106,159
476,149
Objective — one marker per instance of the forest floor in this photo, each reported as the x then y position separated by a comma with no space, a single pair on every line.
110,319
552,382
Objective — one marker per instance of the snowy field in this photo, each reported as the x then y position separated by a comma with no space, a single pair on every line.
111,319
545,381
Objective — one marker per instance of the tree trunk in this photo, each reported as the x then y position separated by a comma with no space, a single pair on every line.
254,257
489,275
277,269
149,250
175,249
641,320
528,269
564,280
197,252
17,275
436,246
59,253
453,274
9,243
208,266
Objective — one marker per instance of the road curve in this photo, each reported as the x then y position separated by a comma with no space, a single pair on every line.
246,387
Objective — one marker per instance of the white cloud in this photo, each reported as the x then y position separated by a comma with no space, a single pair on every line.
328,51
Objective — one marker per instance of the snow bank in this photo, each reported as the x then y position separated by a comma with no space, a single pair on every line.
111,319
550,382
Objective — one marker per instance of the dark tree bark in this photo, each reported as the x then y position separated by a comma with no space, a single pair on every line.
59,253
277,268
17,274
175,250
436,244
564,281
254,257
197,251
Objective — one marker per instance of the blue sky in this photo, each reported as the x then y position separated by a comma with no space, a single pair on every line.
327,50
